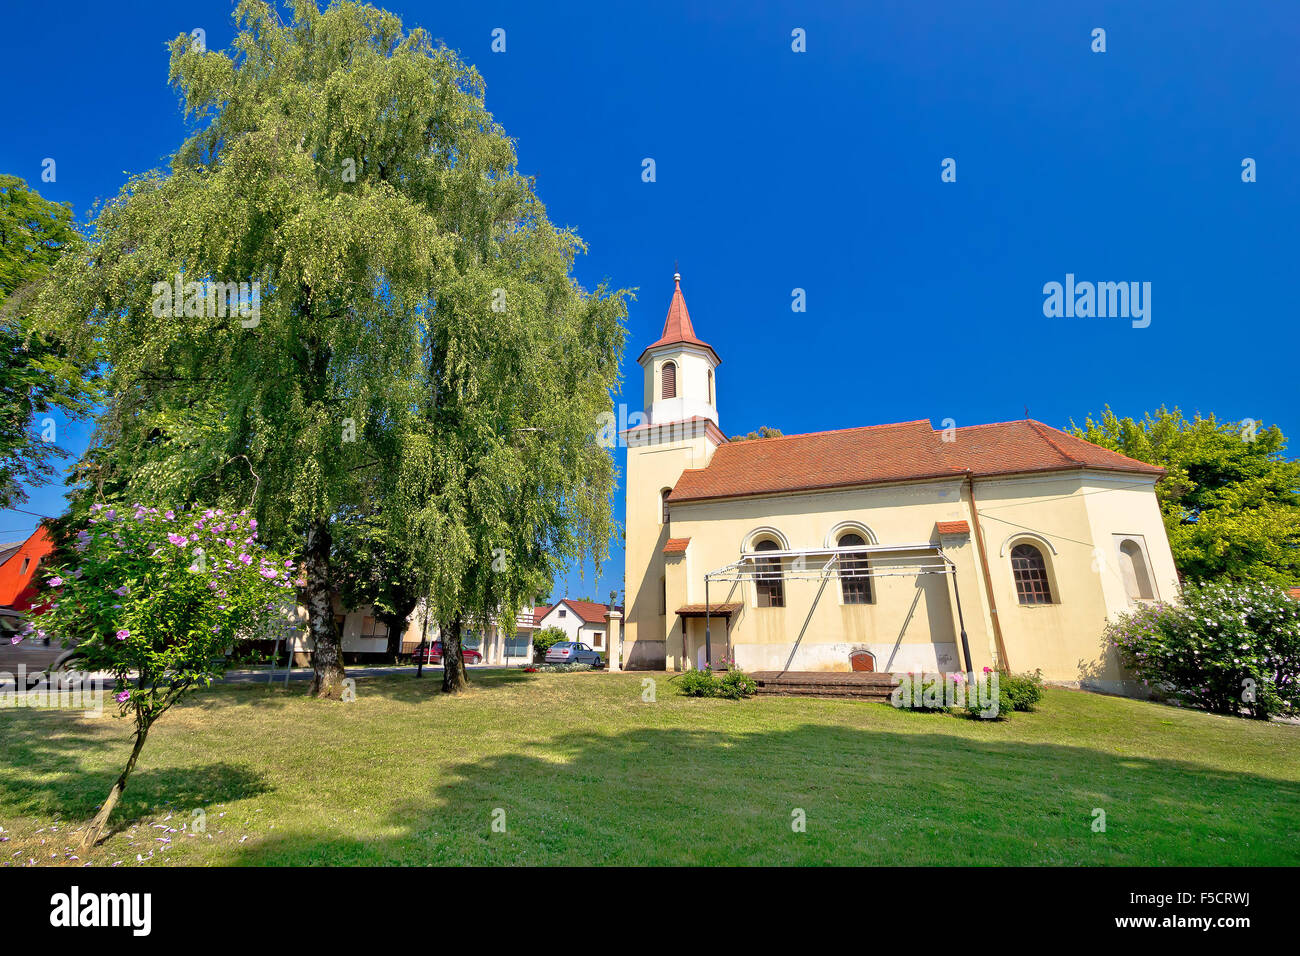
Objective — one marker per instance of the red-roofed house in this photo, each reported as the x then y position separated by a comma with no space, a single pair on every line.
898,547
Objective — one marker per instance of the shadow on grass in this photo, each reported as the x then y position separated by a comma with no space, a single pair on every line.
401,688
44,772
652,796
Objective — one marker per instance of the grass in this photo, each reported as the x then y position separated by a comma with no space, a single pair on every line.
585,772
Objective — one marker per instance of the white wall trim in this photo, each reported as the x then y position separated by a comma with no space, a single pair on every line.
1006,544
747,546
833,535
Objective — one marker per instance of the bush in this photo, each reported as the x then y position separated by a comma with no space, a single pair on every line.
1228,647
736,684
1024,690
1006,705
545,639
921,693
698,684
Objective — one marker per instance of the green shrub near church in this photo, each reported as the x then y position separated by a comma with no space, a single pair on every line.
735,684
1229,648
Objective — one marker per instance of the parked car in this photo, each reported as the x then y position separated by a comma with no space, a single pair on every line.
573,652
433,654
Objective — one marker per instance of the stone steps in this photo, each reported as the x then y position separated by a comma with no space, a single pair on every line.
852,685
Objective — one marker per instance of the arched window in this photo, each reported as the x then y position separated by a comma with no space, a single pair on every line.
669,377
1133,569
663,505
711,402
1030,571
768,580
855,583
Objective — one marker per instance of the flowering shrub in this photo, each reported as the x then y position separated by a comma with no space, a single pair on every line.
695,683
736,684
158,599
1227,647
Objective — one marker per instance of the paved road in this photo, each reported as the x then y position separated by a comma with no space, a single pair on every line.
263,676
305,673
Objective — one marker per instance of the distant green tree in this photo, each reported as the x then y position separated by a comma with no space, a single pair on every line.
36,376
1231,500
763,432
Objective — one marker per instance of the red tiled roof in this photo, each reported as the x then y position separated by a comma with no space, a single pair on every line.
952,527
676,545
540,612
906,451
589,611
677,326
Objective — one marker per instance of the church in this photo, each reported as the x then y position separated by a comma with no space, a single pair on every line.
893,548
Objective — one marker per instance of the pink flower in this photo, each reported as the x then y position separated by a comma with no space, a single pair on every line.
56,582
123,634
245,559
177,539
122,697
268,573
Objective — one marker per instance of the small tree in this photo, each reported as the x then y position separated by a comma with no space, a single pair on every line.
158,600
547,638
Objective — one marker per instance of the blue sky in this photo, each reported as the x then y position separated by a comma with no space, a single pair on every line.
820,170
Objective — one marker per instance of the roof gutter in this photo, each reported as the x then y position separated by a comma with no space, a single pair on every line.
1003,664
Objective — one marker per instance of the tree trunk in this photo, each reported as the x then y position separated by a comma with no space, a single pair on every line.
91,836
453,661
397,624
327,658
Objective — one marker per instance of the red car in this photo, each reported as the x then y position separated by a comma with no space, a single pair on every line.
433,654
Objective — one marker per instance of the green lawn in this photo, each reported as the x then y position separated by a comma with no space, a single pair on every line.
586,772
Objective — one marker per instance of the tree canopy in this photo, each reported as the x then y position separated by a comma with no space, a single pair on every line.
36,377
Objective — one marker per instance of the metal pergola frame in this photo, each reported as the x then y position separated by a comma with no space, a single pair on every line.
907,565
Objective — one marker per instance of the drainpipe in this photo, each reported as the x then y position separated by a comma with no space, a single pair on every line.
1003,664
961,621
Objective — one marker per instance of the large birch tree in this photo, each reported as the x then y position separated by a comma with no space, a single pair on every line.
351,170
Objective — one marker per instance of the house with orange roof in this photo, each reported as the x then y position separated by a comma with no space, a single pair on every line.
896,547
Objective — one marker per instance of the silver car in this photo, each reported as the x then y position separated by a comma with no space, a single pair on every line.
573,652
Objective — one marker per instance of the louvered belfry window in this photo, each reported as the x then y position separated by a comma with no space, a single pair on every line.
1030,571
670,380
